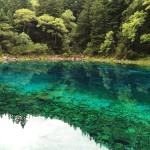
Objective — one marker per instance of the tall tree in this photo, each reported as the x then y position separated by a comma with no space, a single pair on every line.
82,36
54,29
69,21
137,19
24,17
105,16
76,6
51,7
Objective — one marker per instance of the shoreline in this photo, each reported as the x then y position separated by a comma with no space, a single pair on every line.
74,58
140,62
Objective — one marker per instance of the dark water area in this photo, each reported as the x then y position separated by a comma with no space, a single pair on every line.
109,103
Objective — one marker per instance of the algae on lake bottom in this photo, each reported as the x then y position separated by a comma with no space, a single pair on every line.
109,103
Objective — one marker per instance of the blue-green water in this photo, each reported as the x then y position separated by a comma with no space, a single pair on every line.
109,103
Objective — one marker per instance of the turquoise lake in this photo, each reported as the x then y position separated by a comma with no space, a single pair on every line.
74,106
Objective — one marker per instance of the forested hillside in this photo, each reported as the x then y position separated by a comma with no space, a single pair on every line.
107,28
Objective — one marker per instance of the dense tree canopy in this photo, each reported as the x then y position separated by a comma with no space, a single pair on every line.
107,28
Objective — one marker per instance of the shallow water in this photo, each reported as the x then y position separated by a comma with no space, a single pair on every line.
110,104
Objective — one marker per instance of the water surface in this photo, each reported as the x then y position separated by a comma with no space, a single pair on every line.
108,103
43,134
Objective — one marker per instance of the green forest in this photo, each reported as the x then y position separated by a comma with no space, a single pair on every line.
103,28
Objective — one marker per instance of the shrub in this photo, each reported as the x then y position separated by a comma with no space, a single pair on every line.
22,49
90,50
122,52
40,48
108,46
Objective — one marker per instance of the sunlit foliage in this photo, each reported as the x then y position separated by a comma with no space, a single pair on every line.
69,26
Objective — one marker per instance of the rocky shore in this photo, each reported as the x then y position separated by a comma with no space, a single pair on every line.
55,58
72,58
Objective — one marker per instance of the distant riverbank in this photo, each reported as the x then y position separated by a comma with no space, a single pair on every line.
73,58
142,61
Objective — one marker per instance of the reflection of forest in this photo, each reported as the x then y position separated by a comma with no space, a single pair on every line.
104,81
110,103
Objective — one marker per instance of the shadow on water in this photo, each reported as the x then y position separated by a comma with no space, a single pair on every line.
111,104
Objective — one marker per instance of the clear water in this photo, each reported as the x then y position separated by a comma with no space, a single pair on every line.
110,104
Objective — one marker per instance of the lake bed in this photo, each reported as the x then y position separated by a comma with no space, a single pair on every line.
110,104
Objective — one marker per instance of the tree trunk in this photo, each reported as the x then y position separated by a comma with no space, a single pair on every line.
24,26
55,40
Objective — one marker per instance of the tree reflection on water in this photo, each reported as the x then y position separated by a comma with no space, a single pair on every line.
108,103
